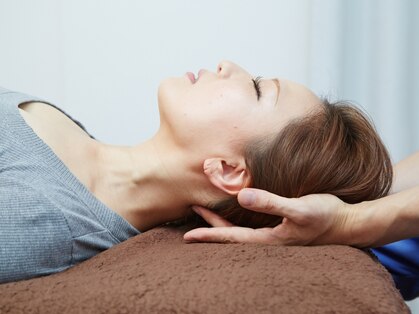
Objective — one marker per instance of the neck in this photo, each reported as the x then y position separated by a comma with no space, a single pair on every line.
150,183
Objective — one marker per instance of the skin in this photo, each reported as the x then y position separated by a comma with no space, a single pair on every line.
196,155
324,219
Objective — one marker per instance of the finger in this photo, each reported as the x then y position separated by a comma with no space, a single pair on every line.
210,217
231,235
269,203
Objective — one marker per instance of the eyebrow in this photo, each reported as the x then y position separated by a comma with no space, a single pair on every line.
277,84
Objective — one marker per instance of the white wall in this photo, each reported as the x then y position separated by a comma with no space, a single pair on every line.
368,52
102,60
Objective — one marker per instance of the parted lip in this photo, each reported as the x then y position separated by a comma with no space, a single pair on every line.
191,76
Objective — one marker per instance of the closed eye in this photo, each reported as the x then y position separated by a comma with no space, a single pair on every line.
256,84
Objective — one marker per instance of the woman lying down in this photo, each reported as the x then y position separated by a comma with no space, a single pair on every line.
65,196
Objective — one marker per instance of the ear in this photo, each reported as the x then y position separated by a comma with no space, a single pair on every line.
227,176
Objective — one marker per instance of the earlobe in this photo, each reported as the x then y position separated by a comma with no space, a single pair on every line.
227,176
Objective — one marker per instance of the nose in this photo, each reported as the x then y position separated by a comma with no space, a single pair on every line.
226,68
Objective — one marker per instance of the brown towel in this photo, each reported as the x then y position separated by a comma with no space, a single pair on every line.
156,272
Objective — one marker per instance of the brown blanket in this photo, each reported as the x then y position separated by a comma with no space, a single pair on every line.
156,272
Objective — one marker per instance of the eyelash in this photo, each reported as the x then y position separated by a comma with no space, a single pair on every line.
256,83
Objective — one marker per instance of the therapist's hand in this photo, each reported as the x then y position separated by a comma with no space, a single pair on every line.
308,220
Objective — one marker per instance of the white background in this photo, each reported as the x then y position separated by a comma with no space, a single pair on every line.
102,61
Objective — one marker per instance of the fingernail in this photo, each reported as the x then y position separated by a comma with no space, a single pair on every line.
191,240
197,210
248,197
188,238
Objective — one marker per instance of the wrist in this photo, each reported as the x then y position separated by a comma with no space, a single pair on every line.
363,225
385,220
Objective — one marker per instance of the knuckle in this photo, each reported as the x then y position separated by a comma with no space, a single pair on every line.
302,218
301,215
270,204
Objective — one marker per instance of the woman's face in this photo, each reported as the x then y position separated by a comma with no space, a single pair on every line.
220,111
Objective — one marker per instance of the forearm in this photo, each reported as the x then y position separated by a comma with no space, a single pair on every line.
386,220
406,174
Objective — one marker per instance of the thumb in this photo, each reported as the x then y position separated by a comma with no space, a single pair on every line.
269,203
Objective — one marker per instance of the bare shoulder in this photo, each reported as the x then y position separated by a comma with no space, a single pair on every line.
49,116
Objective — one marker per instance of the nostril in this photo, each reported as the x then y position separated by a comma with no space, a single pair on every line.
219,69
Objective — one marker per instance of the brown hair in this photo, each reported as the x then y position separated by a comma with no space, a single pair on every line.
335,150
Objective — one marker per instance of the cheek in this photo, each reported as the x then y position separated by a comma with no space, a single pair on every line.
179,111
206,116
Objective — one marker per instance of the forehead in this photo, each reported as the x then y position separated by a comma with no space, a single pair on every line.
297,98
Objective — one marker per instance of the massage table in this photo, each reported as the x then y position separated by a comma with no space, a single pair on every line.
157,272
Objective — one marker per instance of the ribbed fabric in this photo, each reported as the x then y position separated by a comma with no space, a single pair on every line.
49,221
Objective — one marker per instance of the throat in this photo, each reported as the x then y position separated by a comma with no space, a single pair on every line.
145,206
139,186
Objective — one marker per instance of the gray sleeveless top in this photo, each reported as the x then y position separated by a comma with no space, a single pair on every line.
49,221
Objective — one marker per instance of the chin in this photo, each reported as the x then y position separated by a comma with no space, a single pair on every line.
169,90
168,95
164,94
